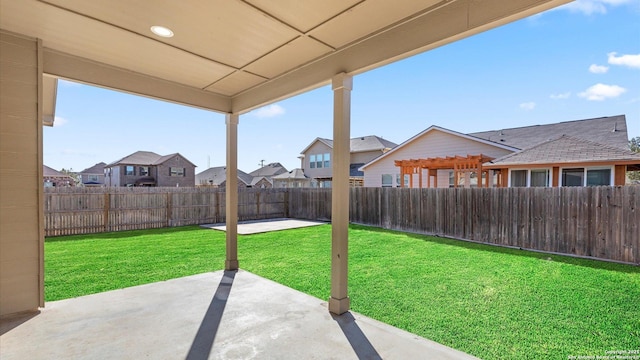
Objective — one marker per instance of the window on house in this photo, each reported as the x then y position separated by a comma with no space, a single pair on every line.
92,178
539,178
518,178
598,177
129,170
319,161
452,179
144,170
327,160
312,161
176,171
387,180
573,177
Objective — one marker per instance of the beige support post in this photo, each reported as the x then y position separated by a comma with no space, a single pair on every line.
339,300
231,192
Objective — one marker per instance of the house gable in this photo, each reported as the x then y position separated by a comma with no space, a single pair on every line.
431,143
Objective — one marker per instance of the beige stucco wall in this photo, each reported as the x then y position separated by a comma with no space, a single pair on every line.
21,227
434,143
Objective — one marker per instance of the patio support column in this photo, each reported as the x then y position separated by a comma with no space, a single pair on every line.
341,85
231,192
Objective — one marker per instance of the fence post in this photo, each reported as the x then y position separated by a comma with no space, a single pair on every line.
286,203
107,206
257,203
169,207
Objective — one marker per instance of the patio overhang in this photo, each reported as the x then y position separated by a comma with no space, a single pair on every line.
234,55
228,56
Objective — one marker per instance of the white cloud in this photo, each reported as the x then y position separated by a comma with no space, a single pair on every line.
562,96
269,111
528,106
598,69
599,92
59,121
632,61
589,7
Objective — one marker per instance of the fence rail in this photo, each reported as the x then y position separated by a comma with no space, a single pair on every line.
600,222
89,210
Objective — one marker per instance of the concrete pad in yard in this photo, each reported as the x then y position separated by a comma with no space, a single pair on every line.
261,226
218,315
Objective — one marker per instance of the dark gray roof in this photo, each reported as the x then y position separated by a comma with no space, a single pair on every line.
218,175
353,169
137,158
95,169
257,179
293,174
145,158
362,143
269,170
567,149
611,131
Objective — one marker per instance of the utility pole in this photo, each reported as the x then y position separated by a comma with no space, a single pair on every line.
262,162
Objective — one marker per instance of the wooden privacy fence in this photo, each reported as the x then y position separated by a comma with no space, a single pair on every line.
600,222
89,210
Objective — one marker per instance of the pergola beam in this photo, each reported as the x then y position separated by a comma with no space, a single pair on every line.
459,164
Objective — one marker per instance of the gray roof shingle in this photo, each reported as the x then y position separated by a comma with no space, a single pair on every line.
95,169
362,143
293,174
567,149
51,172
611,131
145,158
269,170
218,175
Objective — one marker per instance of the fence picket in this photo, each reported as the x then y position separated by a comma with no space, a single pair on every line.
601,222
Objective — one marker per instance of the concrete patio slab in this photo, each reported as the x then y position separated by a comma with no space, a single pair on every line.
218,315
261,226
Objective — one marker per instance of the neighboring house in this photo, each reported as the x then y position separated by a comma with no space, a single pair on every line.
262,177
54,178
316,158
292,179
217,177
581,152
146,168
567,161
93,176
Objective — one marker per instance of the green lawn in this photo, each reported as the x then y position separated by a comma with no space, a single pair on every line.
487,301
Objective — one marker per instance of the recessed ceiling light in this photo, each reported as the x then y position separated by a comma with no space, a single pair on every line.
162,31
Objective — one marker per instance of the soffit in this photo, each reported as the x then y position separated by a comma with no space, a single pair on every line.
244,53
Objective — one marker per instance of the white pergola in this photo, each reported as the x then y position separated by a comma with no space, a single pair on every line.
228,56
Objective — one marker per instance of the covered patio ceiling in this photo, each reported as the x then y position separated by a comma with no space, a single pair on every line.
229,56
233,56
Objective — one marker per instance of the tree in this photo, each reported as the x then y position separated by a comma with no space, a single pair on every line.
74,175
634,145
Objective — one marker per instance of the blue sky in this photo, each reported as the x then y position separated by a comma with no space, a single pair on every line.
575,62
